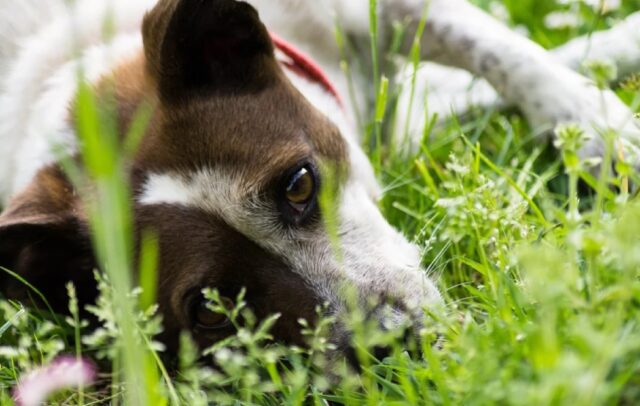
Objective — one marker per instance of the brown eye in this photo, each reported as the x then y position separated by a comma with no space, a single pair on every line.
207,319
301,189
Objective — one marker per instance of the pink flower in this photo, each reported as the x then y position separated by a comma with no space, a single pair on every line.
63,373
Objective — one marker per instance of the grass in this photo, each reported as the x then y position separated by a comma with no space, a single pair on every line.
539,272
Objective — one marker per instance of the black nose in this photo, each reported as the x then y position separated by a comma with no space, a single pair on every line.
377,353
407,341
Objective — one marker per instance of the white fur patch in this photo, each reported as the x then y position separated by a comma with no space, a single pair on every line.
620,44
165,189
39,79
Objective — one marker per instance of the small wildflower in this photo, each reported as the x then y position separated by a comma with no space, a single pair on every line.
570,137
561,20
63,373
499,11
632,83
603,6
602,72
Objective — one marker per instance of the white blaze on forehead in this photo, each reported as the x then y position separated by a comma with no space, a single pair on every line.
166,189
223,193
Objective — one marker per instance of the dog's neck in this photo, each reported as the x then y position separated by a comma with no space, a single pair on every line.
302,64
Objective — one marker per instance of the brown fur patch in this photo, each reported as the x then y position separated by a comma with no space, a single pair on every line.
48,199
199,250
45,240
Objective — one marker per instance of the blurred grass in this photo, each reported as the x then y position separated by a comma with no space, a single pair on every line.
539,272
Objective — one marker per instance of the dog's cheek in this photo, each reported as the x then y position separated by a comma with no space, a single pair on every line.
280,291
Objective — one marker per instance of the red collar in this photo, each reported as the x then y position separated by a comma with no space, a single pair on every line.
302,64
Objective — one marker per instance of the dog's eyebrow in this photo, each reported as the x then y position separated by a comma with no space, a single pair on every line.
266,171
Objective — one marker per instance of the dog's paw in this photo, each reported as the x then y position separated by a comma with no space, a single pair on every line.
567,97
609,122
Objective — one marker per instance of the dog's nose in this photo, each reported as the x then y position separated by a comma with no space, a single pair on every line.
377,352
375,328
405,338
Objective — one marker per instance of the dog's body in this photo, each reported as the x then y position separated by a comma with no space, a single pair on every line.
227,126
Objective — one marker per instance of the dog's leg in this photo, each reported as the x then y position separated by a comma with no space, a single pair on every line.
450,90
440,92
524,74
620,45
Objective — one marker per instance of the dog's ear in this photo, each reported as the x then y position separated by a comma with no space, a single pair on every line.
45,243
197,47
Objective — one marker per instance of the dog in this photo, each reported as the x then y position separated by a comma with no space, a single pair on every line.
248,105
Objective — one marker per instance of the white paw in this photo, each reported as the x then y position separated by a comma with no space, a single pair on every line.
602,114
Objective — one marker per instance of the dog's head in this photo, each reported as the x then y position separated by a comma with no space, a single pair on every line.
228,176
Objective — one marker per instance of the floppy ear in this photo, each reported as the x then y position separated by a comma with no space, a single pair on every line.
204,46
44,242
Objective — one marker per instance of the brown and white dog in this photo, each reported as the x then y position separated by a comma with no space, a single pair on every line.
227,173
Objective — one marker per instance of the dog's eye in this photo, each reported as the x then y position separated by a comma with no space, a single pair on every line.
296,195
206,319
301,189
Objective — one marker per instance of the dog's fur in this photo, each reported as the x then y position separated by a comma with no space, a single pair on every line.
228,126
